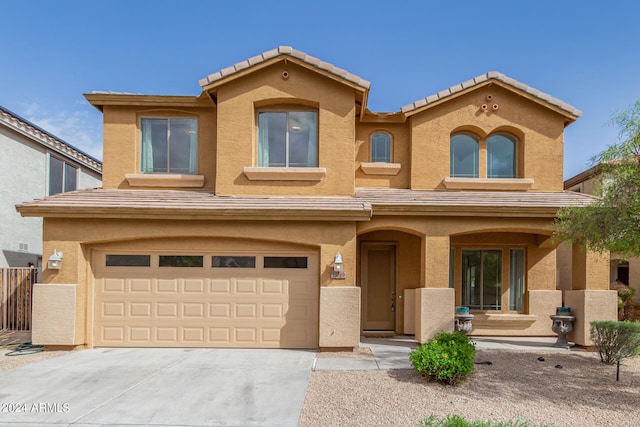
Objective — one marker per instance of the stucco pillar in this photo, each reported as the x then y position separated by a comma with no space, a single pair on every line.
434,312
587,306
339,317
590,269
436,262
634,277
54,314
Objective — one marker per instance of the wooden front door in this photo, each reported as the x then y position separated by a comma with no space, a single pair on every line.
378,283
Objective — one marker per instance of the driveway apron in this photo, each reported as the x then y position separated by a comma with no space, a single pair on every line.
159,386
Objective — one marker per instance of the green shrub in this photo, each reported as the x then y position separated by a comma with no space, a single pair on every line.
615,340
457,421
447,358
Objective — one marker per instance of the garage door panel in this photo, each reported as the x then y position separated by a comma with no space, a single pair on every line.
114,285
220,310
194,286
246,311
140,335
193,309
167,286
246,286
220,286
258,308
140,286
140,310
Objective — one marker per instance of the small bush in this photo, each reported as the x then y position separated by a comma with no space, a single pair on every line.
615,340
447,358
458,421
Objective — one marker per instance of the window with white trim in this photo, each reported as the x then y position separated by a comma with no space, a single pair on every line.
169,145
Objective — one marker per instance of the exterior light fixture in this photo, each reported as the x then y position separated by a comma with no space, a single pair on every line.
338,271
55,261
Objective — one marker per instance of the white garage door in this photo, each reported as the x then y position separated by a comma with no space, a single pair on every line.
211,300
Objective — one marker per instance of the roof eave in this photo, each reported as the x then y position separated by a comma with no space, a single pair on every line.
465,211
101,99
209,85
62,211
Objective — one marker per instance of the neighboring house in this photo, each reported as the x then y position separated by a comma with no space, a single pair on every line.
34,164
275,210
623,269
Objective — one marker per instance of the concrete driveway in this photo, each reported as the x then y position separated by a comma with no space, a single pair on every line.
177,387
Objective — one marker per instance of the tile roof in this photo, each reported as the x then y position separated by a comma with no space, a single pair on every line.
286,50
37,134
471,203
178,204
492,75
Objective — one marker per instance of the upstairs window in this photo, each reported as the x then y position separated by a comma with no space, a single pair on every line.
381,147
464,156
169,145
288,139
502,156
62,176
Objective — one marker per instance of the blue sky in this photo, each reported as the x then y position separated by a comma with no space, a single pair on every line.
585,53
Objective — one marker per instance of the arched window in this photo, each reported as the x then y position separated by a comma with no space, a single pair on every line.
502,156
381,147
464,155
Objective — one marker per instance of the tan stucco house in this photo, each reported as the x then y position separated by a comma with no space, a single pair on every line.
275,210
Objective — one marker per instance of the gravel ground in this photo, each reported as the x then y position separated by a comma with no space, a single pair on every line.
583,392
10,342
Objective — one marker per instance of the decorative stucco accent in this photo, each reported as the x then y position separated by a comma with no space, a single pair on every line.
165,180
285,174
495,184
381,168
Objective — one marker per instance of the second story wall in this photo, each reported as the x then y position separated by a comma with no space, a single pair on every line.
122,154
374,166
537,130
243,170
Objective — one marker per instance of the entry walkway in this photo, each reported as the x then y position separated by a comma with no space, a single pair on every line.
393,353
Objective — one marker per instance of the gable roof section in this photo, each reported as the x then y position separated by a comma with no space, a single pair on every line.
549,101
271,56
48,140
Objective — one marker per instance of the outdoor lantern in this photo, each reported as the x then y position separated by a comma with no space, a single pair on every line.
55,261
338,272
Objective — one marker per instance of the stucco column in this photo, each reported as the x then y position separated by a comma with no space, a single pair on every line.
590,298
436,262
590,269
434,312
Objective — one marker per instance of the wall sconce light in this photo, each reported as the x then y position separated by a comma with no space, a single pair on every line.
55,261
338,272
